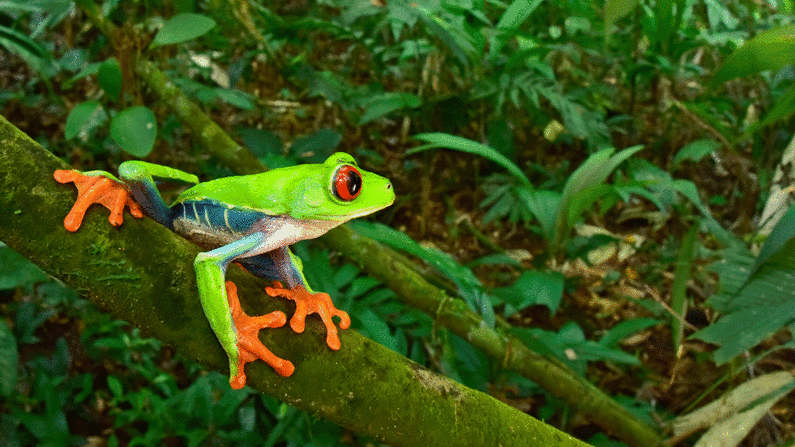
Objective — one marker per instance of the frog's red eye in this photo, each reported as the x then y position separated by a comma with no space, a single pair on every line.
347,183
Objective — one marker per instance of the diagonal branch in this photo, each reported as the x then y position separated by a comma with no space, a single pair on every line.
147,278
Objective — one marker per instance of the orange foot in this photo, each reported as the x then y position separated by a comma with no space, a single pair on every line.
249,347
313,303
96,189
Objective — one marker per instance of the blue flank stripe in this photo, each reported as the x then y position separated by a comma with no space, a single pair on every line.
207,213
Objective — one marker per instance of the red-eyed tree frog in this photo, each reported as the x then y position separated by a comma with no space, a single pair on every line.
250,220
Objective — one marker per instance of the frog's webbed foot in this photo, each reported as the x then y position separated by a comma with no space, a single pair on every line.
249,346
313,303
91,189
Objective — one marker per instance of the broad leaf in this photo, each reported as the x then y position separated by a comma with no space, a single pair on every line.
109,78
183,27
387,103
134,130
84,119
517,13
533,287
759,309
769,50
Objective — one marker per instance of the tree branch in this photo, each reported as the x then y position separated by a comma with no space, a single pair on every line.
364,387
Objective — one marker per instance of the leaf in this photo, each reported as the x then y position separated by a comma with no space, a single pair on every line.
387,103
783,109
376,329
9,356
319,144
17,271
438,139
260,142
517,13
769,50
235,98
109,78
625,329
134,130
182,27
682,271
585,186
732,412
534,287
29,50
783,232
84,119
696,150
615,10
759,309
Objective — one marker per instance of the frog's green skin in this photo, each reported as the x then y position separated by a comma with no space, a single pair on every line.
252,220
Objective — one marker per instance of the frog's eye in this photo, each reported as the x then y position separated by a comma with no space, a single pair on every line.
347,183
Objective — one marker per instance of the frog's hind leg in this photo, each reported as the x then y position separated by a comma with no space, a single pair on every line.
236,331
284,267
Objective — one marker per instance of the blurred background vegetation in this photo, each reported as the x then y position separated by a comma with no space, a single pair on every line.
606,180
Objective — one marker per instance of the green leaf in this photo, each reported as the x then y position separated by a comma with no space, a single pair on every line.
443,140
260,142
235,98
682,270
783,109
134,130
769,50
181,28
376,329
517,13
696,150
17,271
615,10
109,78
625,329
534,287
114,385
84,119
585,186
783,232
319,144
387,103
29,50
9,356
760,308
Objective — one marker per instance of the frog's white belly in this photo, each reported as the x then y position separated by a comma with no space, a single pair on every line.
282,231
279,231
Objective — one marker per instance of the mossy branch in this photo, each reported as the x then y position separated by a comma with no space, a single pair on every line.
364,387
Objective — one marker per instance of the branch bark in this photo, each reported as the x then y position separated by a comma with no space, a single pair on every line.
364,386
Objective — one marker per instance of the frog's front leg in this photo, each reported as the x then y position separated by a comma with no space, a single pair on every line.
96,187
236,331
137,182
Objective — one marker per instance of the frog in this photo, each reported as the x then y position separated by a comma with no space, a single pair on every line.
250,220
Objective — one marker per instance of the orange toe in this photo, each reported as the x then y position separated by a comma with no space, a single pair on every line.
249,346
313,303
93,189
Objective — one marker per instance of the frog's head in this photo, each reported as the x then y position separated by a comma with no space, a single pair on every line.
339,190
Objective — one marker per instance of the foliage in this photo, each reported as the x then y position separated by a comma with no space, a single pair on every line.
756,297
540,92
